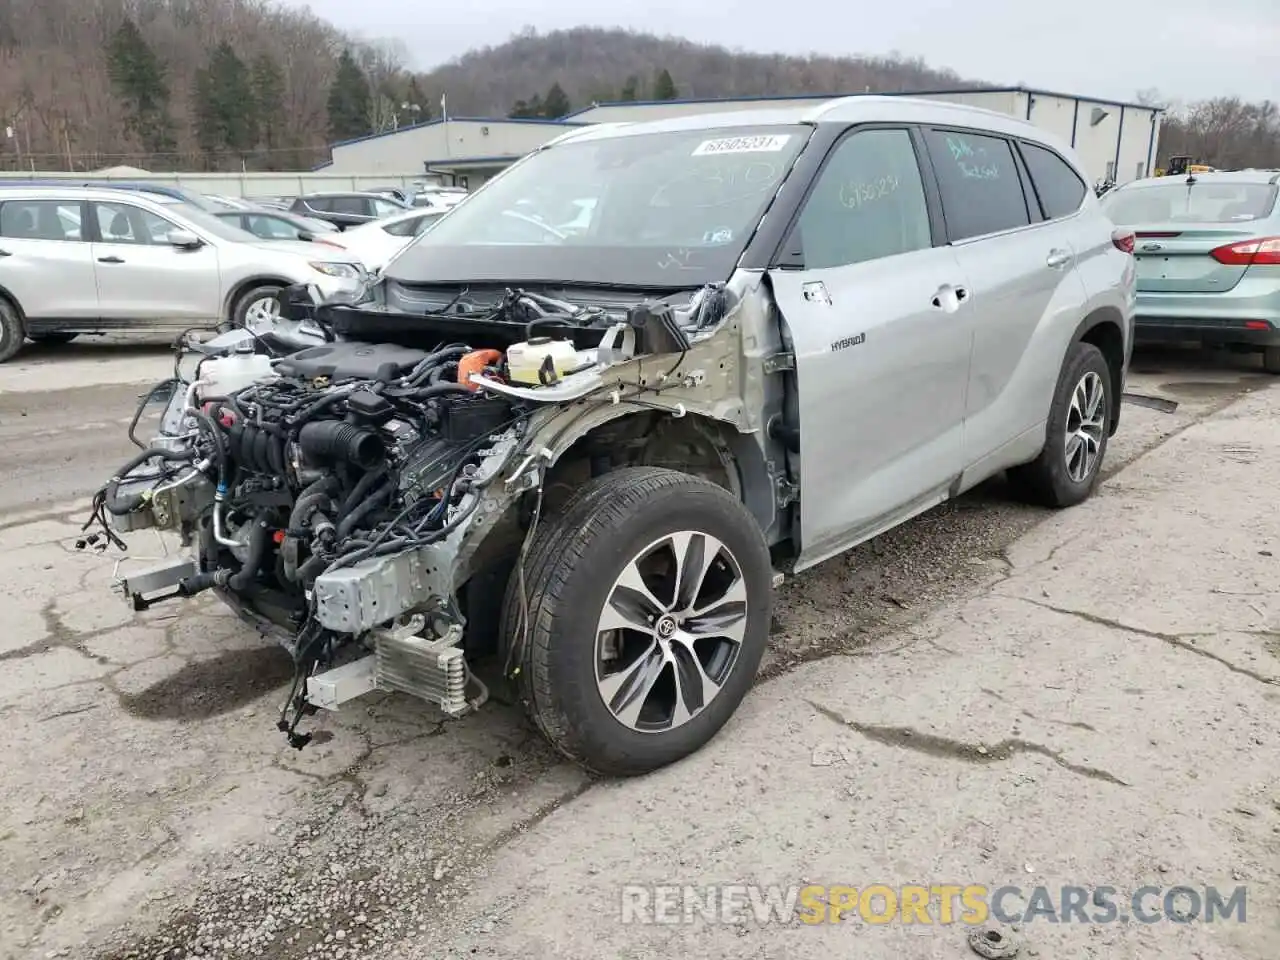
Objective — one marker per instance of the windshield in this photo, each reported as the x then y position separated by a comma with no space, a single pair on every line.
213,224
1200,202
656,210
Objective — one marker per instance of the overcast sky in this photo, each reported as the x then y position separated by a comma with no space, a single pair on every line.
1188,49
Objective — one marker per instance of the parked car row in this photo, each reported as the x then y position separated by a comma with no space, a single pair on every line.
77,259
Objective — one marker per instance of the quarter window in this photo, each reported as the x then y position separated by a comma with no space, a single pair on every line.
868,203
40,220
1060,188
979,182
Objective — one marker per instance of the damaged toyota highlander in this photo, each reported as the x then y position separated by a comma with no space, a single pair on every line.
583,460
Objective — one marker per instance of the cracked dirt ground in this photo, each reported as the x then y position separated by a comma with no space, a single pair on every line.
990,694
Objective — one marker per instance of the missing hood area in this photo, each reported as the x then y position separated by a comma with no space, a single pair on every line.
338,477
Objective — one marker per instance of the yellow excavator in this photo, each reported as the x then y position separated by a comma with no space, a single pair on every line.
1182,167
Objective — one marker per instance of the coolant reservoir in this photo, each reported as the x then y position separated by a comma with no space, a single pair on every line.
225,375
526,362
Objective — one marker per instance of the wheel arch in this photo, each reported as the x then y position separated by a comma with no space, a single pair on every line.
692,443
601,442
244,286
1104,328
7,296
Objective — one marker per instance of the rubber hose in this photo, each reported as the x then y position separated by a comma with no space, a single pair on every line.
111,493
311,569
349,522
258,539
313,495
336,440
360,492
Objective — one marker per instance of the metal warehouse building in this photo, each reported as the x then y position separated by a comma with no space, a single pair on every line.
1114,140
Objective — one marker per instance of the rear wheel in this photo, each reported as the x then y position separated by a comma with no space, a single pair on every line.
648,603
1067,470
51,338
11,331
1271,359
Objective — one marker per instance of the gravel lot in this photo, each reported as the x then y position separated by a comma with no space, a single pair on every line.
150,808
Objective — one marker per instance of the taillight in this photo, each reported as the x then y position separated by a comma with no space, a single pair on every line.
1123,240
1249,253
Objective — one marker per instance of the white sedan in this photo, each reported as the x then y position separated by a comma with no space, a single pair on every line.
373,244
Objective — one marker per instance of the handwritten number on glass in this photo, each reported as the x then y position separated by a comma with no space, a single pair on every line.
975,165
854,195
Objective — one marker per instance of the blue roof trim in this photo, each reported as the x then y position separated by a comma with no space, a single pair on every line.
838,96
563,122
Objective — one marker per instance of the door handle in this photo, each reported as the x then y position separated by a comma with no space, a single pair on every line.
110,260
1057,258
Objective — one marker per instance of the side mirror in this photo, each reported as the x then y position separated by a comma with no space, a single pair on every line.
306,235
184,239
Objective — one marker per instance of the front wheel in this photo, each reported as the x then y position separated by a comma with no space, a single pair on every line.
640,620
1068,468
258,307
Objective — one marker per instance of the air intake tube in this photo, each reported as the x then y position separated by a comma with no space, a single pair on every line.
334,440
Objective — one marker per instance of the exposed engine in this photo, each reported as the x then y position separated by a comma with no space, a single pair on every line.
279,472
330,490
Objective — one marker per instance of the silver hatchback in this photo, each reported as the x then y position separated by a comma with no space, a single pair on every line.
79,260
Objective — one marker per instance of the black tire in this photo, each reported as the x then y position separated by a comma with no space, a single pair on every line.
12,331
1046,480
249,297
571,567
53,338
1271,359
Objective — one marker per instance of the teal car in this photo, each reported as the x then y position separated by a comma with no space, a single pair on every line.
1208,258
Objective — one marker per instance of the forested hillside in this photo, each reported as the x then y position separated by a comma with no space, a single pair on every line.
231,84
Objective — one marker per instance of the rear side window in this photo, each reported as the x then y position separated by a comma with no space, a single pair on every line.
978,178
867,203
357,206
1060,189
40,220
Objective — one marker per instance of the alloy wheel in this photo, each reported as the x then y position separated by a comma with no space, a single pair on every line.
671,631
1086,425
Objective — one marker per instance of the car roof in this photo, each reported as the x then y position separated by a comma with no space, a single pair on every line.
866,108
106,194
1259,177
343,193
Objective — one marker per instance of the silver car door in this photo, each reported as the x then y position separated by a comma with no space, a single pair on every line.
143,277
45,262
1031,296
878,317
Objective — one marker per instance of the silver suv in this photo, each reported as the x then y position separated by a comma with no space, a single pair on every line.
78,260
593,453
